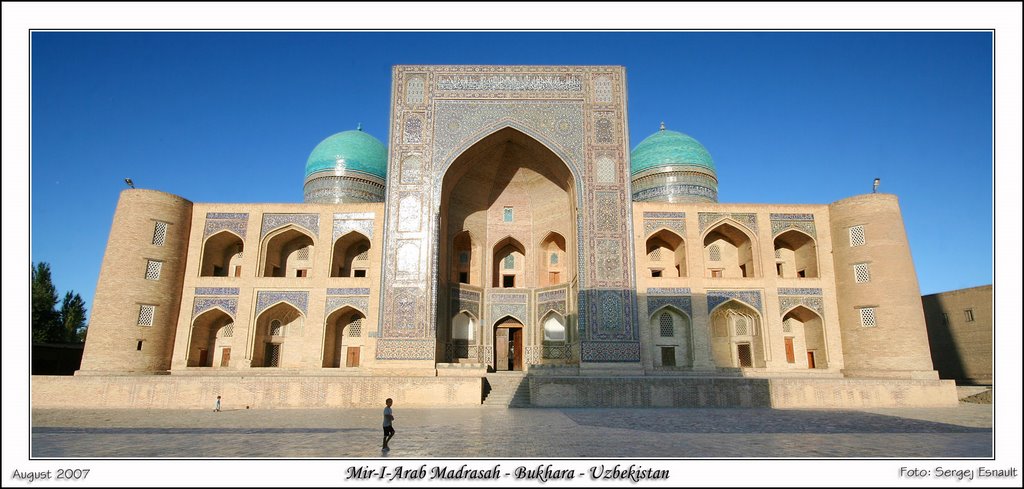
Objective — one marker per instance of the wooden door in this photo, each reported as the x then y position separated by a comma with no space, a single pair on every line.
790,355
501,349
225,357
204,356
352,360
516,338
810,359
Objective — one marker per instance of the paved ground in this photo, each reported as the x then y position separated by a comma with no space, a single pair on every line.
964,431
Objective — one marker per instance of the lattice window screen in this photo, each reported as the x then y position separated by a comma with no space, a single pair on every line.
159,233
861,273
355,327
667,325
303,253
867,317
153,268
741,327
714,253
857,236
146,313
228,330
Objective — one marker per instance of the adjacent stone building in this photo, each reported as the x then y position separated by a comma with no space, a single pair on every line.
506,226
960,334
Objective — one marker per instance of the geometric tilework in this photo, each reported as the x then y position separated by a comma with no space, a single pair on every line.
395,349
811,302
750,297
680,303
802,222
309,222
216,291
677,224
707,218
353,221
610,351
236,222
352,291
799,291
203,304
361,304
267,298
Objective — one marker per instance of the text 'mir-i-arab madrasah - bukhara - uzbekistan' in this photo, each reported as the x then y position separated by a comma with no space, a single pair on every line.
505,236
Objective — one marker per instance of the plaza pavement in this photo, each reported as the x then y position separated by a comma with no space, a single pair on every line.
237,432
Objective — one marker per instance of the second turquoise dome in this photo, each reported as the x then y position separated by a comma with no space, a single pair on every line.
669,148
350,150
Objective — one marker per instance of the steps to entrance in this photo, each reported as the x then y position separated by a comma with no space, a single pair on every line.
506,390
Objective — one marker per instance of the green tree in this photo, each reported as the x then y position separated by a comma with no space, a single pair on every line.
45,319
72,317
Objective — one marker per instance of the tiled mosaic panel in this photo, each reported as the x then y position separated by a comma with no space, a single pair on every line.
404,316
203,304
412,132
680,303
345,223
220,221
465,300
216,291
607,210
266,298
414,90
609,259
799,291
510,82
811,302
802,222
348,188
611,314
603,89
552,300
361,304
606,170
673,221
349,291
705,219
681,189
751,298
606,351
309,222
392,349
412,170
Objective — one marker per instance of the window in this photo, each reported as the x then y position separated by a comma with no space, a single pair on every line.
857,236
508,214
745,355
272,355
464,257
554,258
715,253
301,272
238,270
801,273
508,281
945,319
861,273
275,328
787,325
159,233
228,331
510,262
867,317
463,277
359,273
146,313
655,255
138,345
303,253
717,273
655,273
362,253
153,269
666,325
790,354
355,327
969,315
741,327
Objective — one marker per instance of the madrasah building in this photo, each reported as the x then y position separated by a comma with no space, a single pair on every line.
506,235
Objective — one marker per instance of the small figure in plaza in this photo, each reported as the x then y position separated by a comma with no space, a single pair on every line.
389,431
216,407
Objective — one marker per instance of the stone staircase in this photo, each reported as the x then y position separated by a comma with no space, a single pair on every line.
506,390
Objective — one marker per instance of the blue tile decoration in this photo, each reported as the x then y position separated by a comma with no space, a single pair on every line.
216,291
309,222
469,295
361,304
345,223
611,312
403,349
551,295
351,291
509,297
465,300
654,193
799,291
751,298
674,221
606,212
518,311
680,302
749,220
668,291
814,303
203,304
784,222
404,316
664,215
266,298
669,148
510,82
230,221
608,351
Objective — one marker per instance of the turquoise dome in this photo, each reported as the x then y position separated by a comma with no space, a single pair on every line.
350,150
667,148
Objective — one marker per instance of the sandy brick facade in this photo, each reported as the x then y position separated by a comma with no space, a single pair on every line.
960,332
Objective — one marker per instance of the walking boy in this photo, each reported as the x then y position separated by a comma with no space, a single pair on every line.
388,430
216,407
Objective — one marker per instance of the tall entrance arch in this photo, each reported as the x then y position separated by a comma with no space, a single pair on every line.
482,153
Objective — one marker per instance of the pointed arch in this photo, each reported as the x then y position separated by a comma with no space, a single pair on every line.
737,335
553,326
465,259
803,331
207,338
271,331
796,254
340,326
551,262
665,254
509,263
672,337
351,255
222,255
287,251
730,250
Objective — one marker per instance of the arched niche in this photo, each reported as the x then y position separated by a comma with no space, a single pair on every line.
804,339
509,264
551,266
211,333
796,255
666,255
222,255
737,337
351,256
271,332
729,252
288,252
342,329
672,338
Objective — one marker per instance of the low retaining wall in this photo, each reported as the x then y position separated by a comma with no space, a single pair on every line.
237,392
739,392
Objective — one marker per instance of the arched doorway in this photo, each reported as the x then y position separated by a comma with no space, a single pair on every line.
737,339
222,256
210,342
804,338
351,256
666,255
796,256
272,330
342,333
288,252
508,344
729,252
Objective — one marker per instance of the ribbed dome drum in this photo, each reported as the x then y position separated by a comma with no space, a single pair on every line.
347,167
670,166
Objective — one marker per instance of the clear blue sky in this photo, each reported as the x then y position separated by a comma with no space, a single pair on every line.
798,117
